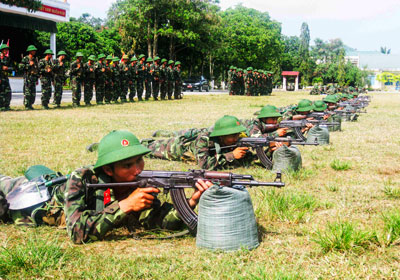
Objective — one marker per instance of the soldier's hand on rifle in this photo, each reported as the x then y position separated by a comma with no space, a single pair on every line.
325,117
91,69
138,200
103,70
307,128
5,68
299,117
276,145
282,131
31,62
201,187
240,152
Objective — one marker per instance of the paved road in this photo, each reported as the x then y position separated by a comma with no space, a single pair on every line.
17,85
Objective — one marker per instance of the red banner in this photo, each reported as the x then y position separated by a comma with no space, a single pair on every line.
53,11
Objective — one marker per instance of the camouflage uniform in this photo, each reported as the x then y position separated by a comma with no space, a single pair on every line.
91,215
116,81
140,75
197,145
132,82
5,89
31,73
46,79
170,82
59,80
249,82
48,213
163,81
148,80
178,83
124,80
90,78
108,95
76,81
255,128
156,79
234,83
230,72
100,72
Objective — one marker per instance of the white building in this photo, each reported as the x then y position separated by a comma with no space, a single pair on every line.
376,63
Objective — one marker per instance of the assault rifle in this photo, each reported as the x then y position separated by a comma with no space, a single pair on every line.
259,144
175,183
298,125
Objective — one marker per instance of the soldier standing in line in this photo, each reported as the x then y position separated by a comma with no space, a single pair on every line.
163,78
59,77
230,72
232,83
140,76
241,81
90,78
269,83
5,69
29,66
148,78
178,81
132,79
170,78
100,84
77,79
156,77
124,80
108,95
46,77
249,81
116,79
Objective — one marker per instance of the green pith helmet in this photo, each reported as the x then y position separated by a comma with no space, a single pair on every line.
102,55
92,57
250,69
170,62
125,56
79,54
330,99
163,60
61,53
304,106
141,56
149,59
157,58
4,46
116,59
109,57
269,111
227,125
319,106
48,51
134,58
240,70
31,48
177,63
118,145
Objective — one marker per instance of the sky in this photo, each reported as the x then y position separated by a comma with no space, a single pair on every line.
362,24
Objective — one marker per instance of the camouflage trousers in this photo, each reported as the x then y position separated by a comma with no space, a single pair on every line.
148,89
116,91
139,88
46,91
88,90
76,86
163,89
58,91
29,91
132,90
175,149
156,88
100,91
108,94
170,89
124,90
5,93
178,91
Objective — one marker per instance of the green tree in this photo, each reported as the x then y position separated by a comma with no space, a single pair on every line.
31,5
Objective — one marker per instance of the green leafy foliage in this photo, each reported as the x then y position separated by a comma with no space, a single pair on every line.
31,5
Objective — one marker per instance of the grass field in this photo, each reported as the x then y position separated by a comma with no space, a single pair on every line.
337,218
